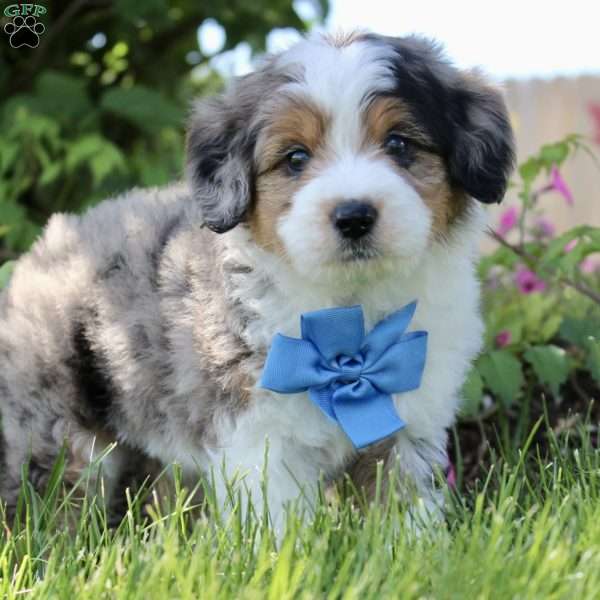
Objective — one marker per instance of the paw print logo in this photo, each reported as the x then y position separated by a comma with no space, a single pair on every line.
24,31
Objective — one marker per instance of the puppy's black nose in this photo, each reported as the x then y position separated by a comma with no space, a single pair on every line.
354,218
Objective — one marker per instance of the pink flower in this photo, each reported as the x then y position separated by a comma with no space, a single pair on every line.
544,228
568,247
451,476
594,109
508,219
528,282
589,265
503,338
557,183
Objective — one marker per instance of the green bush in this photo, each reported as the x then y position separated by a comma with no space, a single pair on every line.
541,302
541,296
82,120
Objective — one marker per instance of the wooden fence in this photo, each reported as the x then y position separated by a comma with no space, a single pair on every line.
546,110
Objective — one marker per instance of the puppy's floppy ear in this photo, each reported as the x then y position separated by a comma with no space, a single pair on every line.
466,118
219,160
481,155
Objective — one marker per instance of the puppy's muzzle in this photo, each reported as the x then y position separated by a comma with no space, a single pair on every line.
354,218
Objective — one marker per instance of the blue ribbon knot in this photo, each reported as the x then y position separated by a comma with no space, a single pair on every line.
350,376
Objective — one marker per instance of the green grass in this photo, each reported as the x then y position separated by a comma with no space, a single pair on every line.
531,530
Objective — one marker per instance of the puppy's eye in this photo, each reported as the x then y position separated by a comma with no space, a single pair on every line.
297,160
399,148
395,144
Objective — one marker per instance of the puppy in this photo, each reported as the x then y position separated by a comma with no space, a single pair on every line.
146,321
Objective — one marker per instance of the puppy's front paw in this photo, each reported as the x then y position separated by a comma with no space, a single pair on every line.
426,514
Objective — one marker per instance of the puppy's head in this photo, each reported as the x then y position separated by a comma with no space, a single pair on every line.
345,152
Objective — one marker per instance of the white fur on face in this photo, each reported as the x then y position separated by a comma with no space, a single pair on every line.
401,231
338,80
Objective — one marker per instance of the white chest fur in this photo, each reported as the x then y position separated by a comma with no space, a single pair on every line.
302,440
303,444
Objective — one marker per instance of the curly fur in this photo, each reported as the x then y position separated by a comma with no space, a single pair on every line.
136,324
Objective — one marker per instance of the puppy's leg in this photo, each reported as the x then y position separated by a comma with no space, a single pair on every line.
272,474
413,465
92,466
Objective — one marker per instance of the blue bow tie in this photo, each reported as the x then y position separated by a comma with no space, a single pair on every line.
350,376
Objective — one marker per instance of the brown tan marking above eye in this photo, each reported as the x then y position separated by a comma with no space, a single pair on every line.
288,150
385,116
297,124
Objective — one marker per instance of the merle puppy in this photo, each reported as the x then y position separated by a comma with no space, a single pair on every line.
146,321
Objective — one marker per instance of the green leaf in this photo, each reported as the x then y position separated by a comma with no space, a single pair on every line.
105,162
550,326
145,108
472,393
592,346
556,248
530,169
82,150
502,256
11,213
539,314
9,154
5,272
62,96
33,126
575,331
18,231
554,154
101,156
550,364
502,374
50,173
